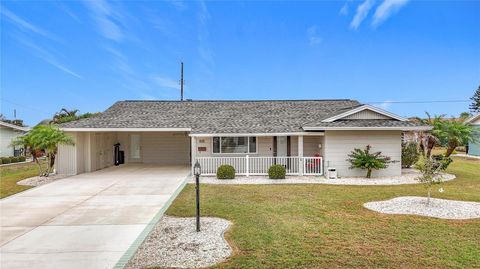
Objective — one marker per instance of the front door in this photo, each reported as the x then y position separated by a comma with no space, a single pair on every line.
135,148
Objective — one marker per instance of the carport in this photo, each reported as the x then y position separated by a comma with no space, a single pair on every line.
94,148
88,220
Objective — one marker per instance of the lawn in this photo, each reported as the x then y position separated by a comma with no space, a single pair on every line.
322,226
10,175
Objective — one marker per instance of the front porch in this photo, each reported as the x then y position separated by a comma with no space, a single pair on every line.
253,155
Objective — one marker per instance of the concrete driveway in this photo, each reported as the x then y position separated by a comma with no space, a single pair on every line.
85,221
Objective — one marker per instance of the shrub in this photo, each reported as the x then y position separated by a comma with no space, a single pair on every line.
441,162
21,158
277,171
14,159
6,160
363,159
1,161
410,154
225,171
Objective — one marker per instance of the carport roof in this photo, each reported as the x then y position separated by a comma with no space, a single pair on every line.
214,117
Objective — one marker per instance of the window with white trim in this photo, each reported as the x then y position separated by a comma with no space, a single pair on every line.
235,144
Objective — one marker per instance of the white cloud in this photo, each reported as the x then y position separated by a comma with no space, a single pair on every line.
47,57
344,9
166,82
361,13
386,9
178,4
313,36
25,25
108,20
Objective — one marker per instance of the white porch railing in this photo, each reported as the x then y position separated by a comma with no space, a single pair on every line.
259,165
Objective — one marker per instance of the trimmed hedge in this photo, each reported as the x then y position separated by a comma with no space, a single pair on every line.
277,171
7,160
225,171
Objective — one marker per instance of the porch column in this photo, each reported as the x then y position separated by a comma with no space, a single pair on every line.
193,151
300,155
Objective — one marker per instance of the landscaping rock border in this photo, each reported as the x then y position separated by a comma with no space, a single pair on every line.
408,177
38,181
175,243
438,208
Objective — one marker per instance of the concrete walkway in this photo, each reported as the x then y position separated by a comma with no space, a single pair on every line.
84,221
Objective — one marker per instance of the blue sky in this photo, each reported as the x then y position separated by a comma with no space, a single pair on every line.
87,55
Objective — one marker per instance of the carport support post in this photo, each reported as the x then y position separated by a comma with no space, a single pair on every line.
301,165
197,188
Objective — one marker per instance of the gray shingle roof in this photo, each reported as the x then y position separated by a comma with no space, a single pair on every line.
224,116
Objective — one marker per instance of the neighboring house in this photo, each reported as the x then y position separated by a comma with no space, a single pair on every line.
474,147
8,132
306,136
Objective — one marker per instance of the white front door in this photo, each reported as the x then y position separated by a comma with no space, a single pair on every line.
135,148
281,146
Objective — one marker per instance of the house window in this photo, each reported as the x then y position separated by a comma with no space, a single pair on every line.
239,145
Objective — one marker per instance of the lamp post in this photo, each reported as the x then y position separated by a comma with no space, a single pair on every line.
197,170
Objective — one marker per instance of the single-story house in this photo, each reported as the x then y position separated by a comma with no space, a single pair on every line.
306,136
8,133
474,147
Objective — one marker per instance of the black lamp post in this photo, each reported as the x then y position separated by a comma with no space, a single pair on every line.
197,171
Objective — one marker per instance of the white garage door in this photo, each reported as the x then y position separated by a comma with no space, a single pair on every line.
165,148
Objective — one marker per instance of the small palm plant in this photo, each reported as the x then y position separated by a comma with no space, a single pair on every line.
364,159
45,137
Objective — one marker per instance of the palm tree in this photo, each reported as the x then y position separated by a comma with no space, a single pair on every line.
64,115
429,140
46,137
455,133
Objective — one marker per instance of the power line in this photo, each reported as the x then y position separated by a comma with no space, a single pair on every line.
24,106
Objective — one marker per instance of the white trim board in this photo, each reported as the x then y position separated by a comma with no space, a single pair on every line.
126,129
364,107
472,118
412,128
260,134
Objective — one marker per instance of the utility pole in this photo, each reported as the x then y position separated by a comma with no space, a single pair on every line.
181,82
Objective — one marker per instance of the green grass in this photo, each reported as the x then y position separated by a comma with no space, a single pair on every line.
10,175
322,226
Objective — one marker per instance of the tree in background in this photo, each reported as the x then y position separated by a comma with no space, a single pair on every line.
65,115
465,115
475,105
47,138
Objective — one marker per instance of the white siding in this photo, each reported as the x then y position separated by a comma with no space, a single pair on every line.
165,148
7,135
338,144
366,115
66,159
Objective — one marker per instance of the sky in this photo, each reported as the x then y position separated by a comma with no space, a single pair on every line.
87,55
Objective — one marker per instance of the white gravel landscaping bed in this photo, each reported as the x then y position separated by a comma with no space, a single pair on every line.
175,243
408,177
37,181
438,208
